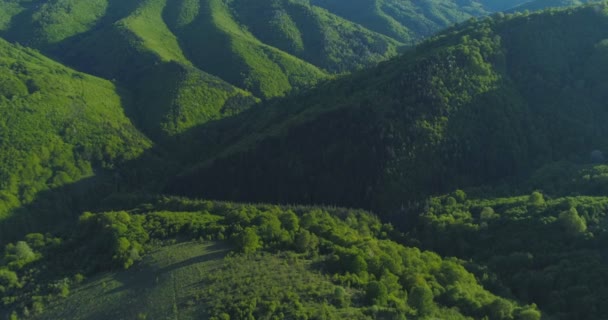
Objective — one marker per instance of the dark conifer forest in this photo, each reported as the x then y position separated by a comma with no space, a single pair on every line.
303,159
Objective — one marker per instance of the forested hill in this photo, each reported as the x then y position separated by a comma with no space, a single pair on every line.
58,126
475,105
544,4
237,261
188,62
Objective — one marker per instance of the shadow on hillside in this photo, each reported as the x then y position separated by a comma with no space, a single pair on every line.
144,276
52,210
122,188
216,251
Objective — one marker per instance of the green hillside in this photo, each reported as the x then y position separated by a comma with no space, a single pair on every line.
285,262
543,249
232,53
467,108
483,146
313,34
502,5
58,126
406,21
183,51
188,62
544,4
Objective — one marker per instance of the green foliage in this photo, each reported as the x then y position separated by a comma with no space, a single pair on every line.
376,293
248,241
536,199
406,21
349,270
8,280
524,249
572,222
313,34
421,298
19,254
544,4
58,125
479,104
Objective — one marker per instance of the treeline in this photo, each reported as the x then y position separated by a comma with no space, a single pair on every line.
540,249
353,248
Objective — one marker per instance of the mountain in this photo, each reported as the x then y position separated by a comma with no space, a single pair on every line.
156,47
207,59
237,261
59,126
479,104
406,21
544,4
484,145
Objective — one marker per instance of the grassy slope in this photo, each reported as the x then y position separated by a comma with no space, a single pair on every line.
168,276
57,125
184,280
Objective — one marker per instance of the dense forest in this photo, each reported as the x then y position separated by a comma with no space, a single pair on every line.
57,126
365,159
336,263
466,108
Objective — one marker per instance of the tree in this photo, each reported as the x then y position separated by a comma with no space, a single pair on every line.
487,213
460,196
536,199
289,221
421,298
500,309
572,222
339,298
249,241
19,254
305,241
8,280
528,314
376,293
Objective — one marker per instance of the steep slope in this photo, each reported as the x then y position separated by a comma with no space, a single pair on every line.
216,42
58,125
266,48
501,5
285,262
470,107
543,4
406,21
313,34
170,94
